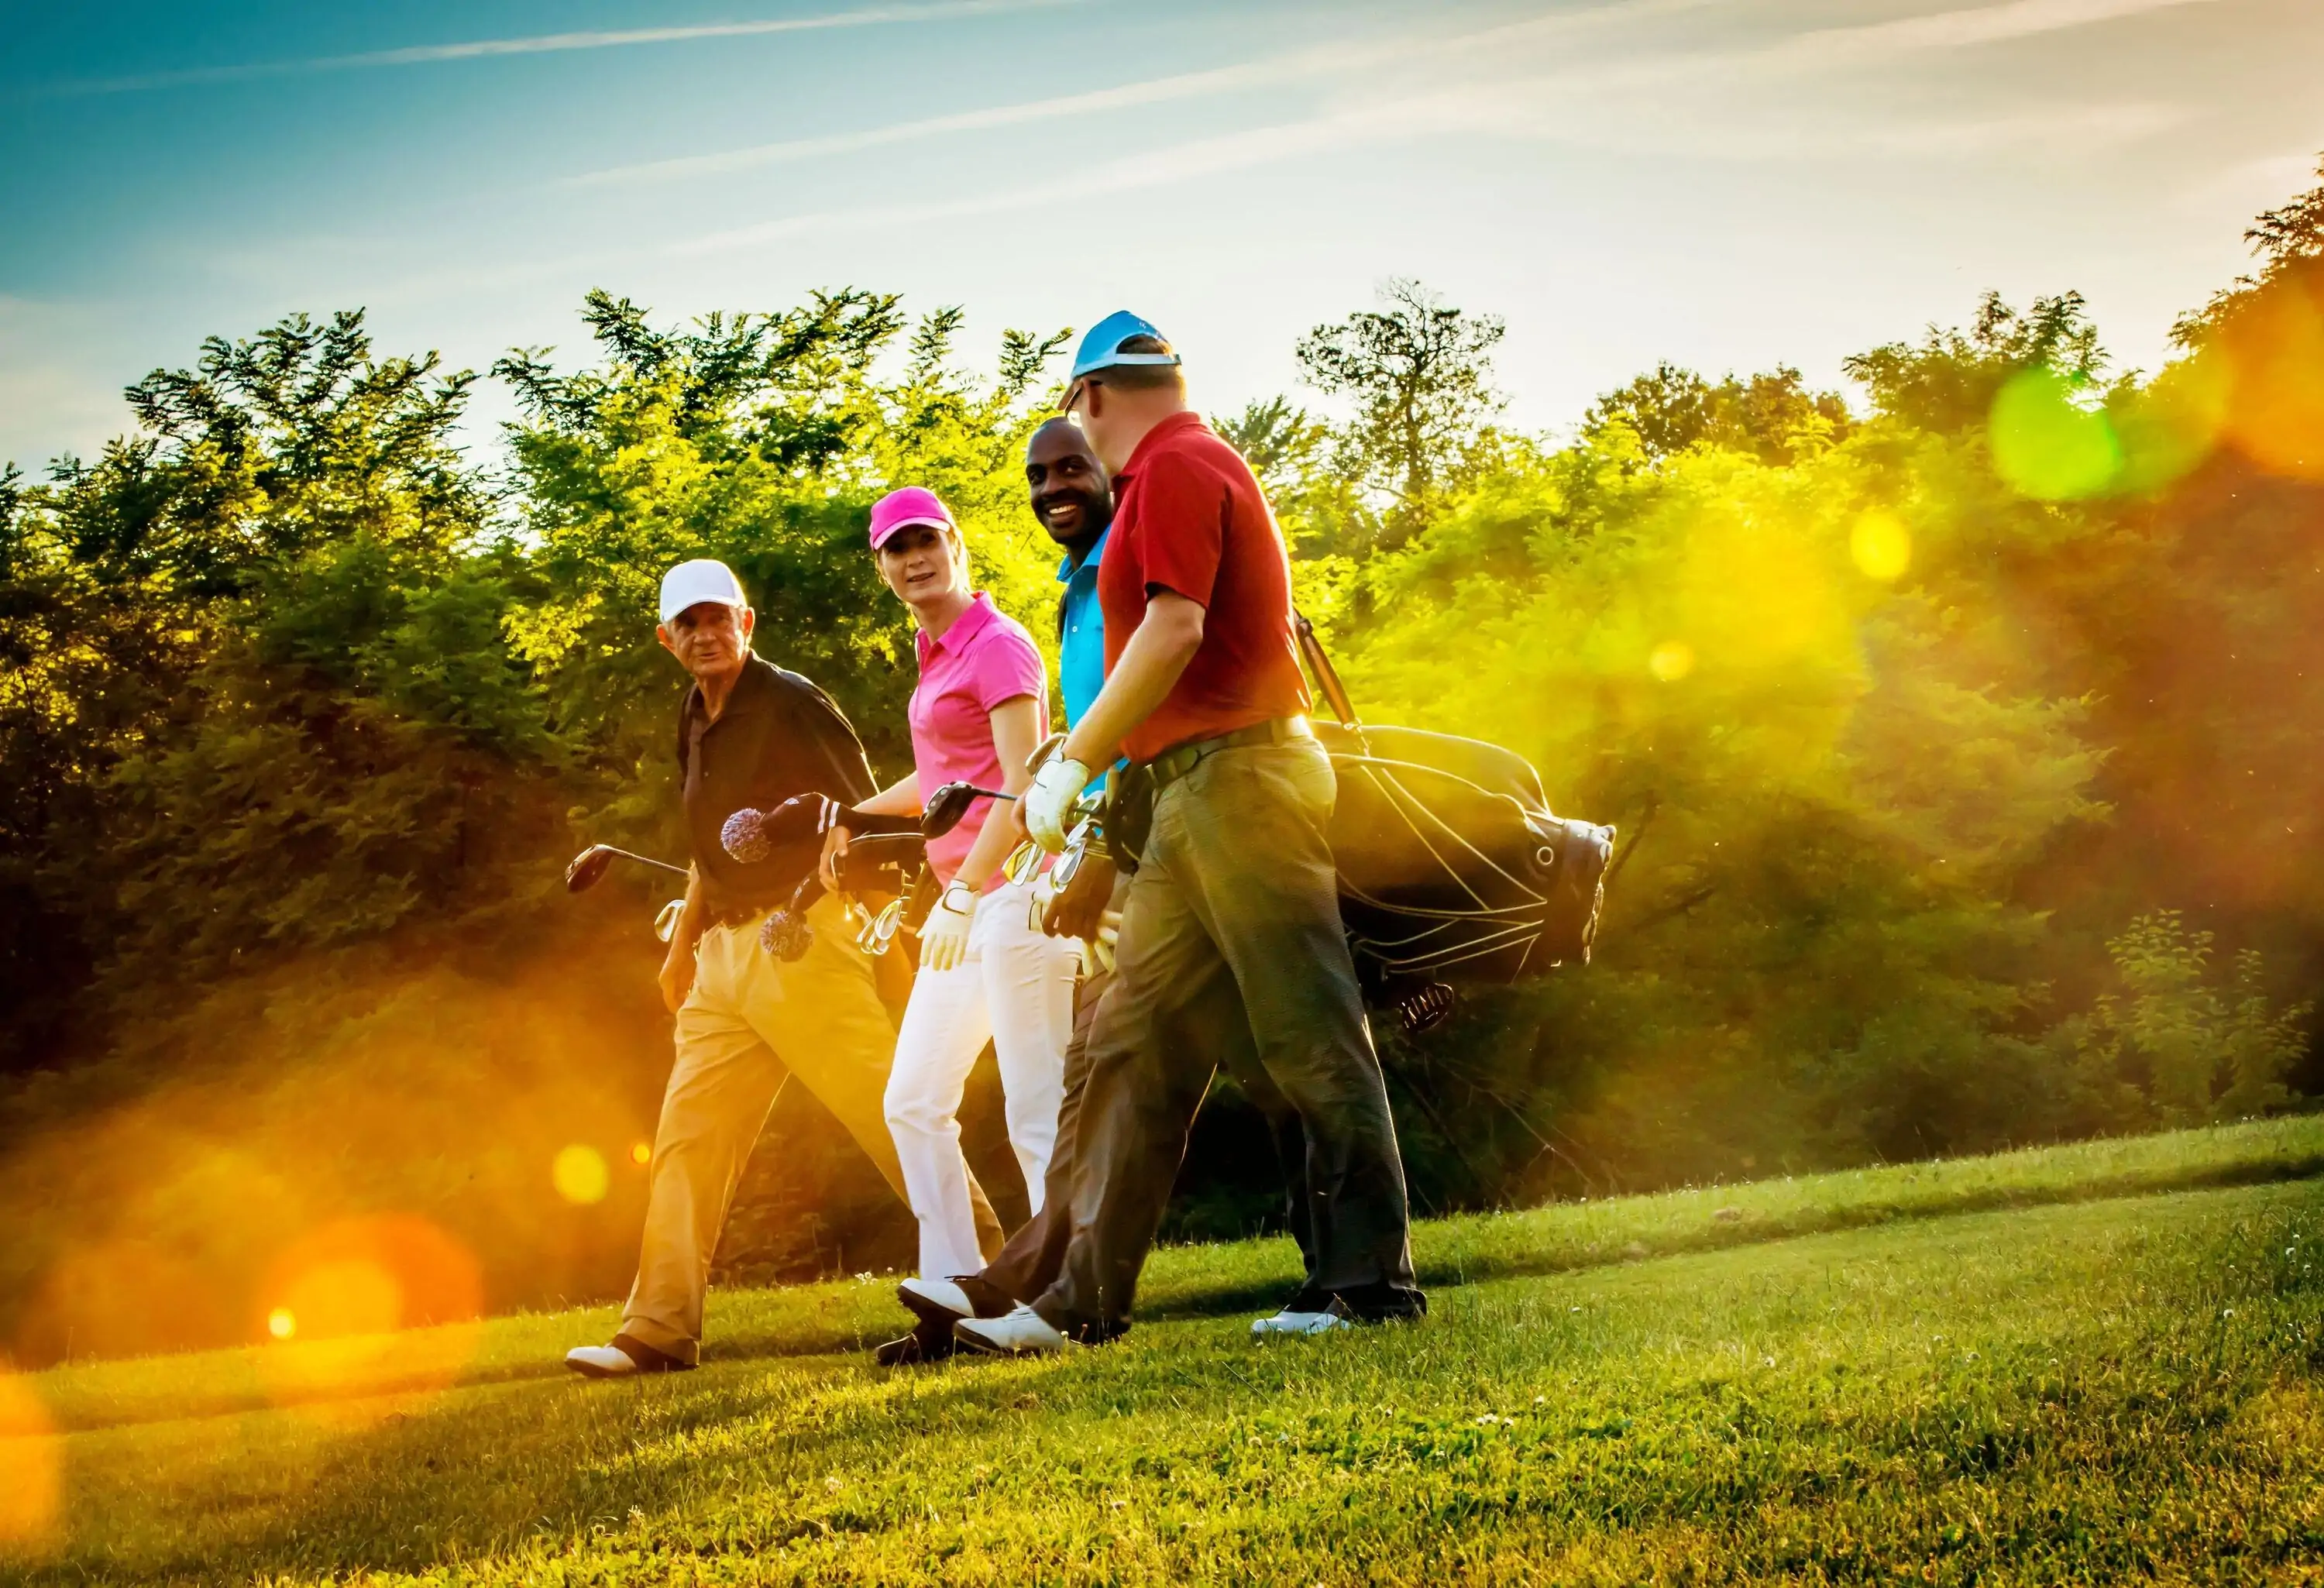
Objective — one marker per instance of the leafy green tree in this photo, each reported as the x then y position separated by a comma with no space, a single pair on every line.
1948,381
1772,416
761,441
2197,1053
1320,509
1420,375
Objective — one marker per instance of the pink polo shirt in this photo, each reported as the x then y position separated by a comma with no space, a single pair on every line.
985,657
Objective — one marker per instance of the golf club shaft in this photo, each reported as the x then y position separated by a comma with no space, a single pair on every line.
646,860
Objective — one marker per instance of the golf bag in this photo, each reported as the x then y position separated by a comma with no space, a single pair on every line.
1453,867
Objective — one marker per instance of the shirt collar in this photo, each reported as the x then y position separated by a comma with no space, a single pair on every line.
1159,436
757,673
1068,567
966,627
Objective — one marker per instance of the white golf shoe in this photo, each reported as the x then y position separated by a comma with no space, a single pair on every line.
1297,1321
932,1298
1021,1332
623,1359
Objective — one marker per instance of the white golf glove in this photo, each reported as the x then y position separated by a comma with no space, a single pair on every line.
1050,800
944,940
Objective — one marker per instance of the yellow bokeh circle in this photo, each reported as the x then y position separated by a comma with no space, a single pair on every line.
1881,546
580,1175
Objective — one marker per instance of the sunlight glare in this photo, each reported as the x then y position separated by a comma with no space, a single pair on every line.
1671,660
1882,546
641,1154
31,1469
2276,350
281,1323
580,1175
2048,445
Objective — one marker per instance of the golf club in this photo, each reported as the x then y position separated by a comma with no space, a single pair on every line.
941,812
590,865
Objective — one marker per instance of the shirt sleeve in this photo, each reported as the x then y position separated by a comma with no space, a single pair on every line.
1007,666
841,769
1183,511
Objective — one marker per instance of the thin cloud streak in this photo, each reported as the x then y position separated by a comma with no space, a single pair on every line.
1271,72
1970,26
554,43
1526,108
1951,30
1583,103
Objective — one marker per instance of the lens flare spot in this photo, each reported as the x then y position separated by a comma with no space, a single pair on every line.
32,1477
1671,660
2173,424
1882,546
579,1175
641,1154
2275,348
2047,444
359,1295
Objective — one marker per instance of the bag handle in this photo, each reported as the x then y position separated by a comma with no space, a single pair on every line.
1327,678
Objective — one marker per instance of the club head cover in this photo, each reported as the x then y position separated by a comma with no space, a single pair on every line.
753,835
786,936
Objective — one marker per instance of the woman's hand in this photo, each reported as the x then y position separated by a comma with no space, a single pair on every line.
944,940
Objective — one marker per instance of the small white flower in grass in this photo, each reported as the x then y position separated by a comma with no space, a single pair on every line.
2228,1312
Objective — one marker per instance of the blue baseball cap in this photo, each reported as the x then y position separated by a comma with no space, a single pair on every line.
1100,348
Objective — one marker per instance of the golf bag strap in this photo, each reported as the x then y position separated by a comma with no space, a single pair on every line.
1327,676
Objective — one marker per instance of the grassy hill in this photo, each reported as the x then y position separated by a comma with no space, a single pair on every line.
2090,1362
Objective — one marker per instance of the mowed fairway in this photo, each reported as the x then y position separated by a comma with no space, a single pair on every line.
2089,1363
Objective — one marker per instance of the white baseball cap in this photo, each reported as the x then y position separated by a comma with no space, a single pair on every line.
704,579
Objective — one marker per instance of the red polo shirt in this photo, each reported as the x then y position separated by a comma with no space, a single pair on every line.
1189,518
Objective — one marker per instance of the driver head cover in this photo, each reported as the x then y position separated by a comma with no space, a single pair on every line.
1100,348
705,579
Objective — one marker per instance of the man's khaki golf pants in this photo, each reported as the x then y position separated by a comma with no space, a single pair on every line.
749,1021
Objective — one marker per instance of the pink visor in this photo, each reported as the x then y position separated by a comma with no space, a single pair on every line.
898,510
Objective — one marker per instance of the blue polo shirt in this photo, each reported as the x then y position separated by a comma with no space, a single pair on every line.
1081,647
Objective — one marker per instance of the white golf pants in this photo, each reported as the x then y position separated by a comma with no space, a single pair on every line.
1015,989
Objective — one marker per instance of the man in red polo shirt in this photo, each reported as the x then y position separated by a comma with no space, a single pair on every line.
1233,916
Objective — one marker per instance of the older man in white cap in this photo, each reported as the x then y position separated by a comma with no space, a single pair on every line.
749,735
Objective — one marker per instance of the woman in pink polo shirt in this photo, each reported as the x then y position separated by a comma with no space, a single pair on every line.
987,972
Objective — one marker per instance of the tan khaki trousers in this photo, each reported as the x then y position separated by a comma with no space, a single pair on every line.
749,1021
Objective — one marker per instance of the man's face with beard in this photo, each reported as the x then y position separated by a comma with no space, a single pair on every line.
1070,493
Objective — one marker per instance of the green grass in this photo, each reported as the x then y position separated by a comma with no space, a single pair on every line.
2083,1363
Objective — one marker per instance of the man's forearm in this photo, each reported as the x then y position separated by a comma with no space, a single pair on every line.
1142,678
689,917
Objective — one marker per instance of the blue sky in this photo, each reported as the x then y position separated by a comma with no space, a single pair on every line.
1727,183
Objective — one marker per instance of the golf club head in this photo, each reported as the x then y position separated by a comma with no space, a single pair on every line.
588,867
942,810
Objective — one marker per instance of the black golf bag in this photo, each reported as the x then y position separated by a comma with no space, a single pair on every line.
1453,867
